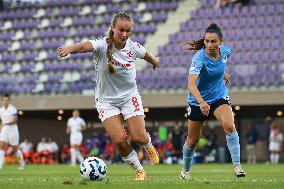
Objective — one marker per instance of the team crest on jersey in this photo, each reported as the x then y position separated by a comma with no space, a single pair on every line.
224,60
130,54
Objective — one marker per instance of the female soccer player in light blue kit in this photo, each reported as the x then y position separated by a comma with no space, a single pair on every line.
208,96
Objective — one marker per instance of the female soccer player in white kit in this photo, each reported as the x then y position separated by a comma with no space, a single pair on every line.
9,133
75,126
275,143
116,92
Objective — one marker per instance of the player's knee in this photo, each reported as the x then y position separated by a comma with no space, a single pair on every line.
228,126
15,150
119,140
192,142
2,145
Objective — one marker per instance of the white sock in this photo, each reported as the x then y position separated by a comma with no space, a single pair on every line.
79,156
272,158
20,157
2,156
276,158
149,142
133,161
73,156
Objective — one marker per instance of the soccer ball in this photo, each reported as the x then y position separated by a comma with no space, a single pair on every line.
93,169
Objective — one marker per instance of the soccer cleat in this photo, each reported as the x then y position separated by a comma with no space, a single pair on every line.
21,165
152,154
239,172
140,175
184,175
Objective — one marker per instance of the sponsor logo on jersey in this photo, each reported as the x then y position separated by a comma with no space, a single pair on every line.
192,68
115,63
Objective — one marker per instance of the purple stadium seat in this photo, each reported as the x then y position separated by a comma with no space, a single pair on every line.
252,31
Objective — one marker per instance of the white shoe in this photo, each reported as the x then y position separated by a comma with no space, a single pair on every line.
239,172
21,167
184,175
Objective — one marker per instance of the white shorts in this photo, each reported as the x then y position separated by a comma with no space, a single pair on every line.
129,108
76,139
10,135
274,146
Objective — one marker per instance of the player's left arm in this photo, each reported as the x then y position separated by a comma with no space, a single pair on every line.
227,78
84,126
281,141
228,52
152,60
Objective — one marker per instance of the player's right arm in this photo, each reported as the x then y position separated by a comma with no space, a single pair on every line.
68,130
75,48
194,73
83,125
192,78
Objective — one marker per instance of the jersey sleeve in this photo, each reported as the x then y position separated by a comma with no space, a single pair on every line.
196,65
83,123
14,111
139,50
98,44
280,137
226,50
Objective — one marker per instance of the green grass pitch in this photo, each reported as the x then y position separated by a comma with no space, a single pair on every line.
159,177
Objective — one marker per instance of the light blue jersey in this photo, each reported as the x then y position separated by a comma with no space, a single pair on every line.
210,83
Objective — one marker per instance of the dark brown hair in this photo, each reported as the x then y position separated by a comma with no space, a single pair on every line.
6,96
109,40
198,44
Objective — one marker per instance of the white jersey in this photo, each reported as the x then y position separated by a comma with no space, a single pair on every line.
9,133
116,88
75,125
52,147
42,146
275,141
7,115
26,147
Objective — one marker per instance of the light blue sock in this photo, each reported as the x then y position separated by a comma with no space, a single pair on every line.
234,147
187,157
